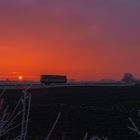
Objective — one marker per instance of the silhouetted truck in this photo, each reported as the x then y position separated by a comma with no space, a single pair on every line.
53,79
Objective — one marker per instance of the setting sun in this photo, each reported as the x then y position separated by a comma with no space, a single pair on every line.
20,77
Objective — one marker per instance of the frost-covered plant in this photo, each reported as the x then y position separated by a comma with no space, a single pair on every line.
98,138
21,111
8,119
95,137
53,126
134,127
9,123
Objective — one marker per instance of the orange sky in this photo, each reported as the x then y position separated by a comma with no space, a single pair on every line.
86,41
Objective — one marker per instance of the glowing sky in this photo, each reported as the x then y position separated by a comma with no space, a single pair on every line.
85,39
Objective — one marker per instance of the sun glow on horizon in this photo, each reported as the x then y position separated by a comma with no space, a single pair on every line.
20,77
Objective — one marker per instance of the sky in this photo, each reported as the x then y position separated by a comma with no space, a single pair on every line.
84,39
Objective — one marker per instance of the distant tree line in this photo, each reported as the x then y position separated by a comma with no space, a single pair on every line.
129,78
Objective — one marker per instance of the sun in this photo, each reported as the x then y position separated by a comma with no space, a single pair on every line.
20,78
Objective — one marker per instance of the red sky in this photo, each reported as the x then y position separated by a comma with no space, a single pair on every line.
86,40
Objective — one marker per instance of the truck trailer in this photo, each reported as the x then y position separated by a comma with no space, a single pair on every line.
53,79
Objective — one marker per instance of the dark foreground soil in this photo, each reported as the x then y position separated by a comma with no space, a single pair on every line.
102,111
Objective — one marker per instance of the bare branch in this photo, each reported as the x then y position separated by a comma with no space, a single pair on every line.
53,127
134,127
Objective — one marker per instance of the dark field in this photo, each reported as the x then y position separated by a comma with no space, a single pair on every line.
100,111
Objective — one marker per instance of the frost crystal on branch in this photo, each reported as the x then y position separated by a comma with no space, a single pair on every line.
8,119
